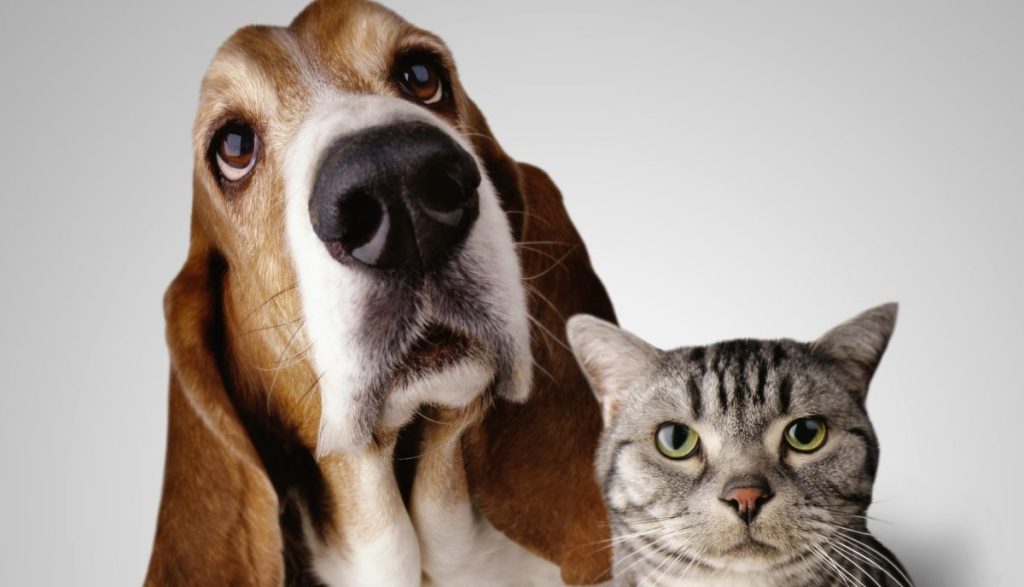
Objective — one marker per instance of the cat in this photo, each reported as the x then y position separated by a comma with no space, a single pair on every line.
747,462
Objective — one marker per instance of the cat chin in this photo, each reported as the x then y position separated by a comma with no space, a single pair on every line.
748,565
751,557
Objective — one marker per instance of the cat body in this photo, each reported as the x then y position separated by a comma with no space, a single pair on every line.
741,463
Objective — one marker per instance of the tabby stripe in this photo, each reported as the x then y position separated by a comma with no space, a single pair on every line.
871,459
614,466
785,389
740,386
723,395
854,498
696,403
697,355
778,354
762,375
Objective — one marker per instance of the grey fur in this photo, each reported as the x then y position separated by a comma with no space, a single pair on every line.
669,524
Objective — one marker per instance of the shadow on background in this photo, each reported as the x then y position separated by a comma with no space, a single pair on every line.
936,559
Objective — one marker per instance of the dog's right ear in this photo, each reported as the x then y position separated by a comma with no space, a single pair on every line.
218,521
530,466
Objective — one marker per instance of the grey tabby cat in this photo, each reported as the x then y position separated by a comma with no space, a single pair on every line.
746,462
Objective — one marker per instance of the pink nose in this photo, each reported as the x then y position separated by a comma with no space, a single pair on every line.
747,499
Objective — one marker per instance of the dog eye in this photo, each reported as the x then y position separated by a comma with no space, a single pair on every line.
421,78
235,146
806,434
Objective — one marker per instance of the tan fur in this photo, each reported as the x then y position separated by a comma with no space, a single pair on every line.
242,384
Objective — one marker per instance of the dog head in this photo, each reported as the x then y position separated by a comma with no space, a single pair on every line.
339,175
361,246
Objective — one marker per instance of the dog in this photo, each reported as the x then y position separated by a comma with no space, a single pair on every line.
369,381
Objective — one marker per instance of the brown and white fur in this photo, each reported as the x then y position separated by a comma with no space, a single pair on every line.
287,461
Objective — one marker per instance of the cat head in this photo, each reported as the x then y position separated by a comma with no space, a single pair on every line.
742,455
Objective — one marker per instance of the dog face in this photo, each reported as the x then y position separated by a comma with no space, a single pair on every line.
355,198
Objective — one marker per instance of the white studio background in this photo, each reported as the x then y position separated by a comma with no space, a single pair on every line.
736,169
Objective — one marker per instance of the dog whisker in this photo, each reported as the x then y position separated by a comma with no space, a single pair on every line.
555,265
287,289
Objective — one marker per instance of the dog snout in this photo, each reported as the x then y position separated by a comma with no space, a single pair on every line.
401,196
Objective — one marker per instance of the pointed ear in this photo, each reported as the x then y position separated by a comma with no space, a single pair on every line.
218,520
611,358
857,345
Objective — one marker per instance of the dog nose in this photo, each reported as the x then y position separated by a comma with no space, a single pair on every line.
401,196
747,496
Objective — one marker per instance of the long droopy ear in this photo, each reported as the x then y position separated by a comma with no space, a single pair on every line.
613,359
857,345
530,466
218,521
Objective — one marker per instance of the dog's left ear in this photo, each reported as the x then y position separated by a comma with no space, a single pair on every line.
530,466
501,169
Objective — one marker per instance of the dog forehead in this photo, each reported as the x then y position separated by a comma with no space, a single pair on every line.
274,76
353,41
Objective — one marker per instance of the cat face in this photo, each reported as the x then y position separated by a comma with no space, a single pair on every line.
743,456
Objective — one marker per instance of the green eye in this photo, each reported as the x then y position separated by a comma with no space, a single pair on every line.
676,441
806,434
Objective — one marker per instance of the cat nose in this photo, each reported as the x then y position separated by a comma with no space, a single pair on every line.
746,496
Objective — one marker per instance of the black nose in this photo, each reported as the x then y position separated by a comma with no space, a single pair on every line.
401,196
746,496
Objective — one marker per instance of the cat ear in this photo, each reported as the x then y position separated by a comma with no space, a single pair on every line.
857,345
611,358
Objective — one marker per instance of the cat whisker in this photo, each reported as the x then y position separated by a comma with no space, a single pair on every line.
655,569
850,538
693,561
659,529
860,553
826,564
860,516
861,544
678,557
638,554
845,576
863,572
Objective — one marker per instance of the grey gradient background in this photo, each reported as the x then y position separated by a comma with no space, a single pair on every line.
737,169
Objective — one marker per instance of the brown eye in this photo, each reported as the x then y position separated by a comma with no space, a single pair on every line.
235,146
421,79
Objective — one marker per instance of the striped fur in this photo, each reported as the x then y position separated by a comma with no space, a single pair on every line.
670,524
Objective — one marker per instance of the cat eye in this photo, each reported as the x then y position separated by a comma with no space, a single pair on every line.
677,441
421,78
806,434
235,148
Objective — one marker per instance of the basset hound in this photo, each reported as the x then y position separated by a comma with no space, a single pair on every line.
369,381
